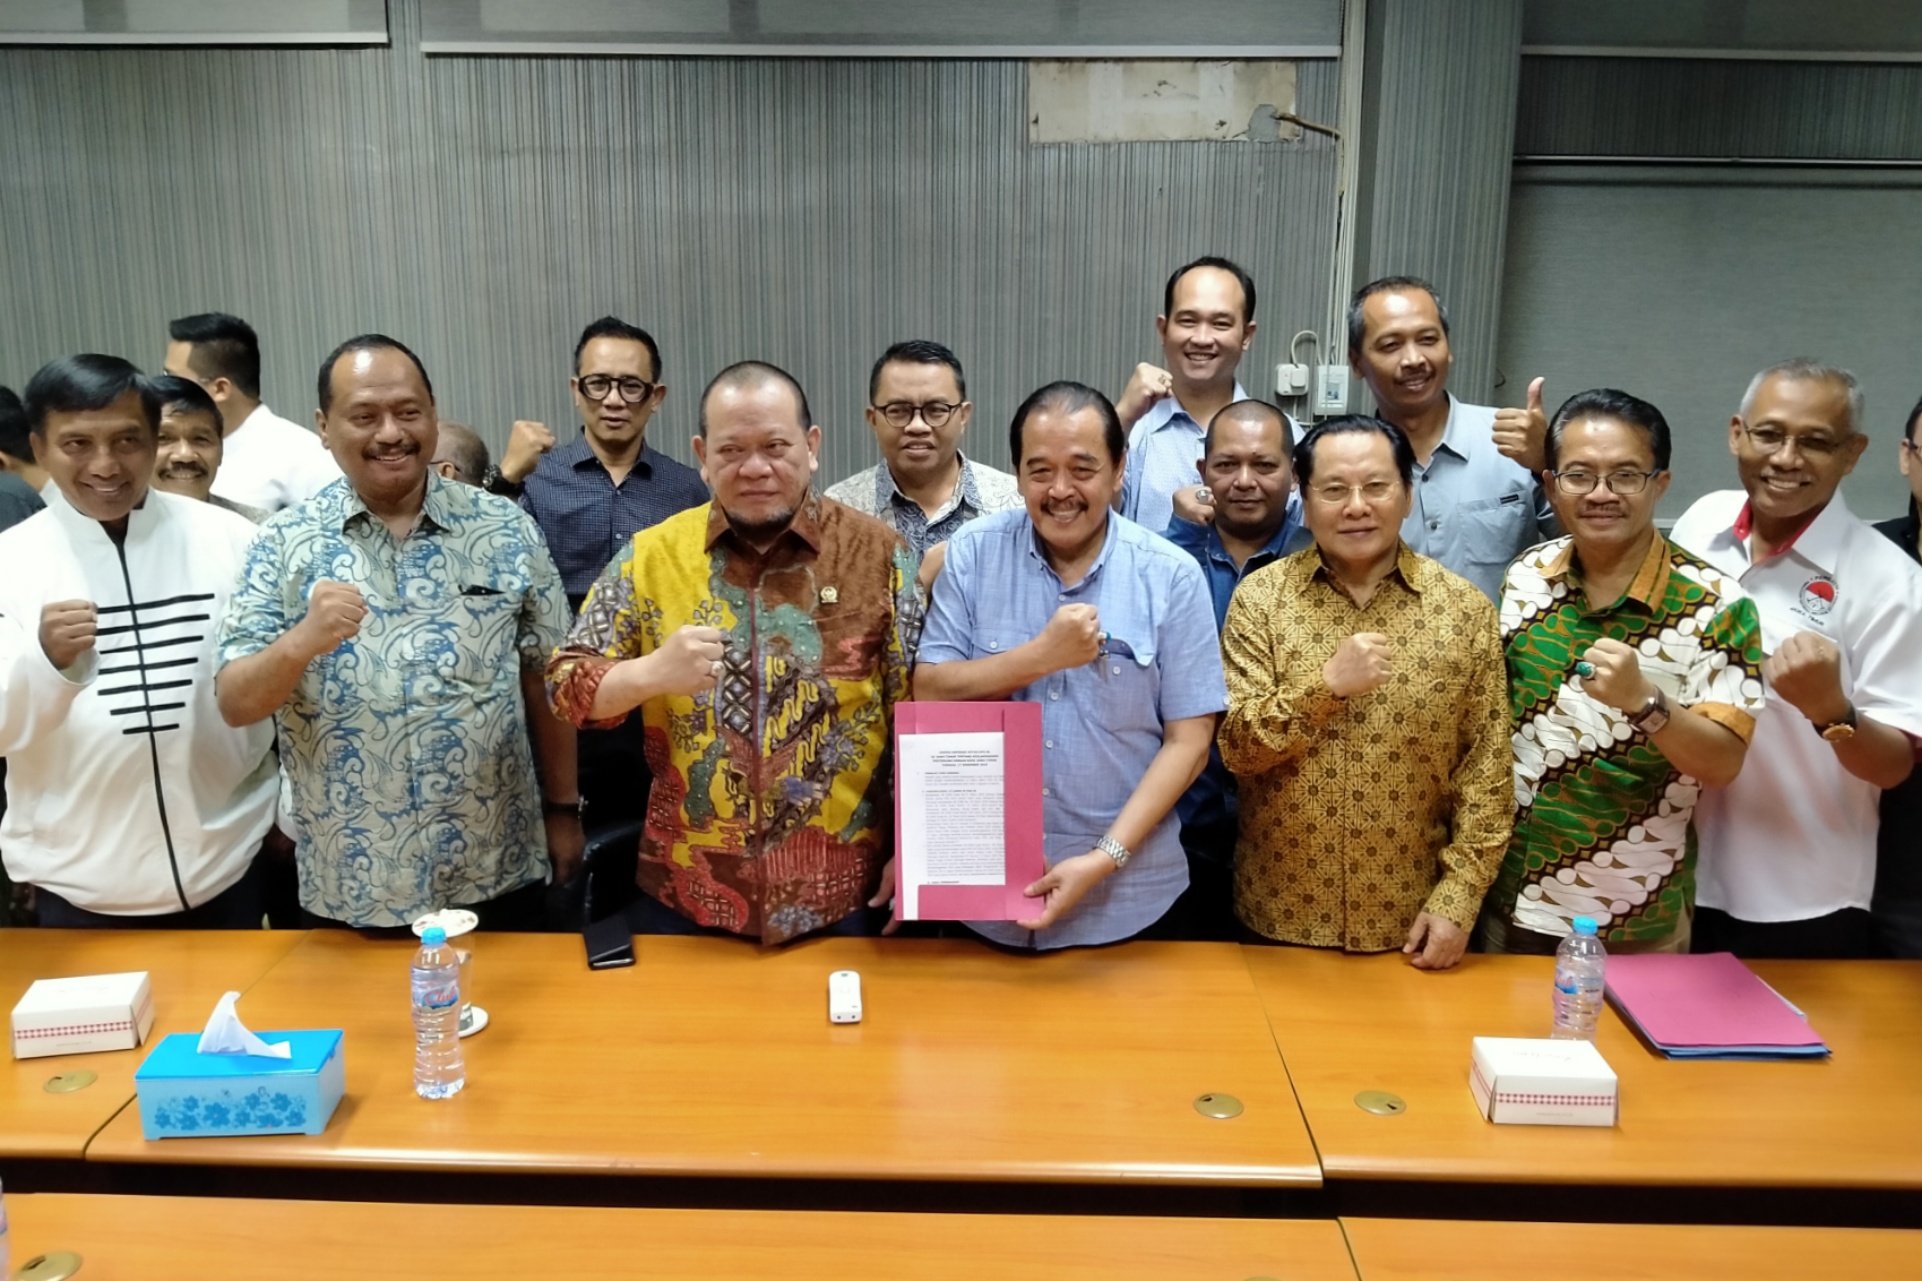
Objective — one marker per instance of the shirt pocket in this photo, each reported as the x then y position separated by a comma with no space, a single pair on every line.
472,638
1129,676
1493,531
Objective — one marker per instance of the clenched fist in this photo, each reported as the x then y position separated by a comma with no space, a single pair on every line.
1150,383
1072,637
334,612
1522,434
1807,672
1361,663
67,630
525,445
1618,681
689,661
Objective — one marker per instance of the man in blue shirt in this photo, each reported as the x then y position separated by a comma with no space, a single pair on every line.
1477,488
1248,475
1105,626
590,497
1206,324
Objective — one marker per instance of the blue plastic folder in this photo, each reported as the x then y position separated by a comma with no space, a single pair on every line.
185,1094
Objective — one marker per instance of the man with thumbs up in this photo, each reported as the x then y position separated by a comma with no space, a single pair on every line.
1478,499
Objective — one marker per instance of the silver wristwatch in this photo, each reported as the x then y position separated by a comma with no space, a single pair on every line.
1653,717
1115,850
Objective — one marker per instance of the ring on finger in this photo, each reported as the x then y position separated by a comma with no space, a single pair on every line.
1584,668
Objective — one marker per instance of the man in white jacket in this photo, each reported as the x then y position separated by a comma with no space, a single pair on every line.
130,802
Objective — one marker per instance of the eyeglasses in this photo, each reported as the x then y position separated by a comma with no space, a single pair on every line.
1618,482
899,413
633,390
1375,491
1771,439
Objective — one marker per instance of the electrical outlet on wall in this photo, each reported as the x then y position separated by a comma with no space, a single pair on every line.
1291,380
1331,393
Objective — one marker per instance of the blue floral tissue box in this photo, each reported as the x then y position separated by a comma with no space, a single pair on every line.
185,1094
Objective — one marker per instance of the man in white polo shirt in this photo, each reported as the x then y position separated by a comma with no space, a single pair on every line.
1787,862
267,462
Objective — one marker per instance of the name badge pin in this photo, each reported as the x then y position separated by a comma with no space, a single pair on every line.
830,596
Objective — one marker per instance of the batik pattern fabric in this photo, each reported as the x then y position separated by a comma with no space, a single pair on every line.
1358,814
1603,822
770,814
406,748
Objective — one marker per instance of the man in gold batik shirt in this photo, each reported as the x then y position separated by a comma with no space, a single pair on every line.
1367,721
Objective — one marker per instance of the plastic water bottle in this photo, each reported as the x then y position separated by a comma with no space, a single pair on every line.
1580,963
438,1073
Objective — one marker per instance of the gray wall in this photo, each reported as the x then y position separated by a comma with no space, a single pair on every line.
1679,285
1438,129
482,209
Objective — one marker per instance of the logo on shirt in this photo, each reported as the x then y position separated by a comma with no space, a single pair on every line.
1818,596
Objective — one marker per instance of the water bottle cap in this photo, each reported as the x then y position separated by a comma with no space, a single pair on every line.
1585,925
435,936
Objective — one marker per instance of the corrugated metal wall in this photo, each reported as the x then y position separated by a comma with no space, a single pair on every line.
806,212
1440,128
1655,107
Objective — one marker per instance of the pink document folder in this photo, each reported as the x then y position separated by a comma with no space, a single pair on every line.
1706,1003
1020,727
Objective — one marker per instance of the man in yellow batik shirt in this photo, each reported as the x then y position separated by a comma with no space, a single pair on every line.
765,637
1367,721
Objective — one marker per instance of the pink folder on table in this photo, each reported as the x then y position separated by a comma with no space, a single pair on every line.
1021,857
1707,1006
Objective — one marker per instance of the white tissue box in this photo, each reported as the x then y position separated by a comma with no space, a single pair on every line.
83,1015
1542,1082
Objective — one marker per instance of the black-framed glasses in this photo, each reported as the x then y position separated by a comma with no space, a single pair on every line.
899,413
1618,482
633,390
1771,439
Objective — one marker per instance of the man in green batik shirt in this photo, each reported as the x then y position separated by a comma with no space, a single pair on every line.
1634,672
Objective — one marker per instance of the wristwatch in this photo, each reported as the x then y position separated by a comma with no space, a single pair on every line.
494,483
577,807
1653,717
1839,731
1115,850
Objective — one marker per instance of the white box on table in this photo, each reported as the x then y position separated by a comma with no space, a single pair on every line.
1542,1082
82,1015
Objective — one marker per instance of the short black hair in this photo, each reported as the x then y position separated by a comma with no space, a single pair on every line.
1357,325
615,327
184,392
76,384
13,427
1606,402
223,347
1354,425
365,342
752,373
1249,410
1065,397
1908,433
917,351
1246,281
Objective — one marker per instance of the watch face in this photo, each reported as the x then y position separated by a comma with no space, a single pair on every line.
1839,733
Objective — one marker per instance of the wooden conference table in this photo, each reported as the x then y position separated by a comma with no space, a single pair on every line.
187,976
1349,1024
717,1059
176,1238
121,1238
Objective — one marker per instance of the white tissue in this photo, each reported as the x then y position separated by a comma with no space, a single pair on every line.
226,1034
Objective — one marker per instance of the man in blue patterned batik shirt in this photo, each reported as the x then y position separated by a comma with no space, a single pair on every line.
397,625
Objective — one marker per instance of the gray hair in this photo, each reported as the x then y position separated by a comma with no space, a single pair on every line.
467,451
1807,369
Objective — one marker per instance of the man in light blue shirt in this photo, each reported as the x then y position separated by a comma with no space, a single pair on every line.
1109,629
1478,497
1206,324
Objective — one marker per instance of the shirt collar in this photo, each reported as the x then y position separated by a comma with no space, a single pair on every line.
1449,440
436,509
1036,550
578,454
1168,409
1305,567
1819,541
887,491
1651,580
1273,548
805,526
